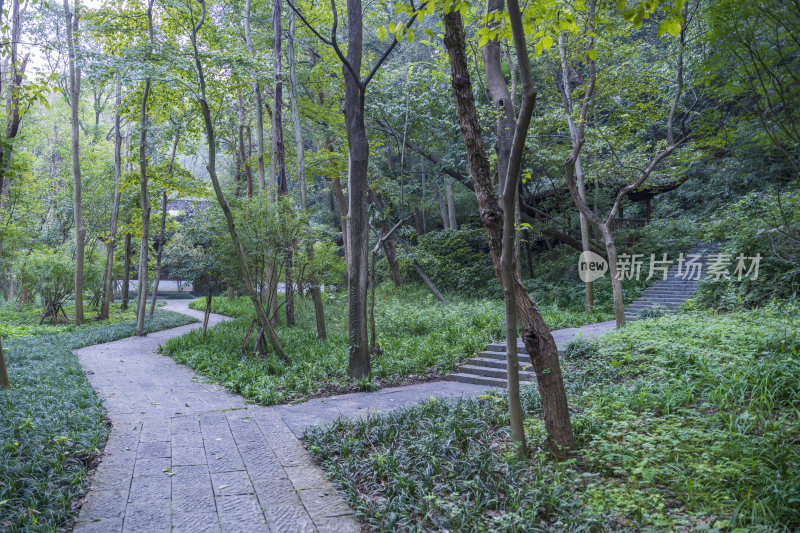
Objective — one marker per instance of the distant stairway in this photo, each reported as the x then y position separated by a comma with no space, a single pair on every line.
489,366
668,294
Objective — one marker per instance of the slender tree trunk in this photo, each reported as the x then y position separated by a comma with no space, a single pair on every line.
162,232
206,314
4,382
442,209
428,282
535,333
616,282
316,293
144,249
566,92
208,122
262,182
75,96
126,275
108,285
247,170
390,250
451,203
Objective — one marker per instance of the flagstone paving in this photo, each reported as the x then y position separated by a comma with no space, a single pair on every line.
188,456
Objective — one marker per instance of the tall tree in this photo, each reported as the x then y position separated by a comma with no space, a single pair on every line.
355,88
535,334
108,280
144,249
74,100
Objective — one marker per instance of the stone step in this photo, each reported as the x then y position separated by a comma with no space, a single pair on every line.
493,372
477,380
501,347
490,362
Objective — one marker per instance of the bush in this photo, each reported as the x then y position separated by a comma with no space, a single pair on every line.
455,260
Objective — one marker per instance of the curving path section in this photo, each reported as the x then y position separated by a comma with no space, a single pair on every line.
188,456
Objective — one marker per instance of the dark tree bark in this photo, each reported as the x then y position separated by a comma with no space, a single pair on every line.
4,382
535,333
428,282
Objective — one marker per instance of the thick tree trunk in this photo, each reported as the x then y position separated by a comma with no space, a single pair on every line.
108,284
535,333
4,382
357,227
126,275
74,97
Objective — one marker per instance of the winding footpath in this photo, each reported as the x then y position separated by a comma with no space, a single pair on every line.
188,456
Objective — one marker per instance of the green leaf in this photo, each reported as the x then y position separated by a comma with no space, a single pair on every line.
592,54
382,33
670,26
547,42
410,36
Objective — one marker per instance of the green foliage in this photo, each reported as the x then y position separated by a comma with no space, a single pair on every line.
53,427
49,274
420,338
21,320
765,223
455,261
682,421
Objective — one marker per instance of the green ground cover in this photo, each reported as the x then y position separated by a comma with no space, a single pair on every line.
686,422
420,338
52,425
23,320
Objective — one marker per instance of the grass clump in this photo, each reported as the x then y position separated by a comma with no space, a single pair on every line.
420,338
684,422
52,425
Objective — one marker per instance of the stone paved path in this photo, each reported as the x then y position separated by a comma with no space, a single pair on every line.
187,456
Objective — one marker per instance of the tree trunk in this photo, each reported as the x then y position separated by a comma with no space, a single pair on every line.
616,282
535,333
108,285
4,382
144,249
357,227
247,170
451,203
74,97
262,182
162,232
206,314
442,209
390,250
126,275
263,320
431,286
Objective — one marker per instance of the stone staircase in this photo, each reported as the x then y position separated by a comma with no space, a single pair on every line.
668,294
489,366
